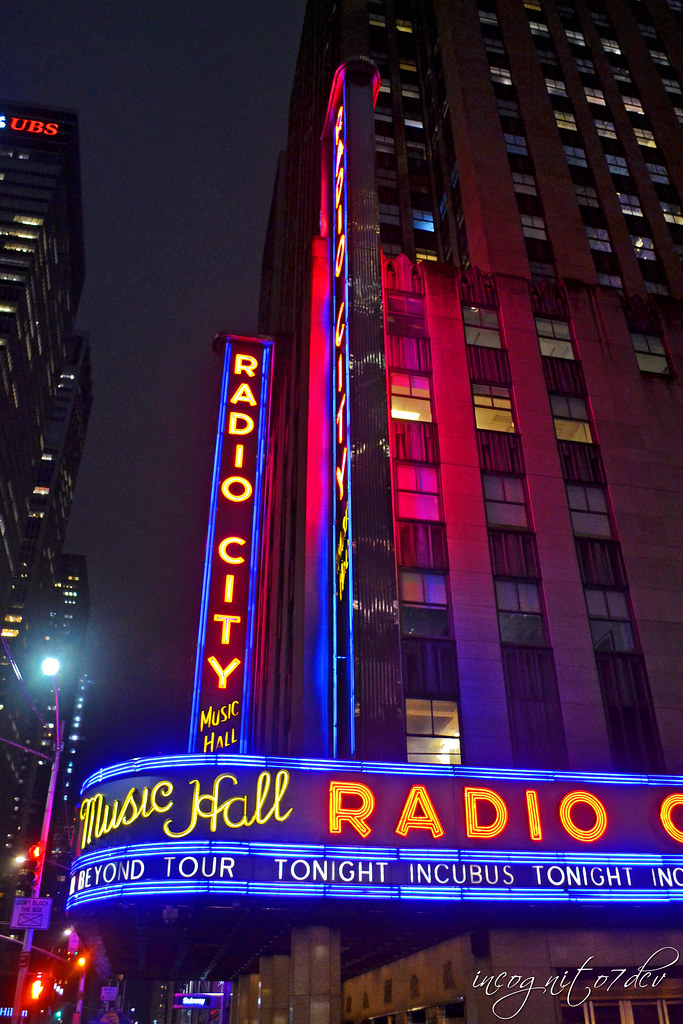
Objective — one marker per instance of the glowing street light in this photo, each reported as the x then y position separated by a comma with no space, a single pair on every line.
50,666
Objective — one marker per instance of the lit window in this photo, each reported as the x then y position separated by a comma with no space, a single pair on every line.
519,612
610,45
650,353
481,326
588,510
538,28
606,129
594,95
494,45
630,204
417,492
532,227
672,213
432,731
378,19
493,408
488,17
621,74
671,85
501,75
555,87
424,604
565,120
403,26
554,338
659,57
598,238
616,164
645,138
410,397
609,619
575,37
633,104
570,416
423,221
644,247
504,500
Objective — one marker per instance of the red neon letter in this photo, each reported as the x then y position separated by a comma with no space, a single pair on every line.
339,124
51,128
340,476
14,123
586,835
354,815
246,492
235,418
472,827
245,364
534,814
665,812
339,260
340,328
418,799
340,421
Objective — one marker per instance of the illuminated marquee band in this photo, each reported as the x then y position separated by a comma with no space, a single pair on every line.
264,827
226,623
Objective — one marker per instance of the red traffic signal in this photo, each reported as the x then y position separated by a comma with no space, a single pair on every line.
33,864
38,991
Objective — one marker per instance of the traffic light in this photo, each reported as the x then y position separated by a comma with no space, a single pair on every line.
38,991
31,869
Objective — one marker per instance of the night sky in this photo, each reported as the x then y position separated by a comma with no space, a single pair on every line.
183,109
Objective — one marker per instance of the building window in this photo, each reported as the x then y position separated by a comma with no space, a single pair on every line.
631,724
644,247
410,397
493,408
524,183
570,416
650,353
609,619
519,613
588,510
554,338
481,326
432,731
576,156
424,603
504,500
514,554
565,120
515,144
534,708
422,545
410,353
429,668
617,164
533,227
417,492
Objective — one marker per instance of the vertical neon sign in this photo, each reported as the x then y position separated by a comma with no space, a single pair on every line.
222,683
342,655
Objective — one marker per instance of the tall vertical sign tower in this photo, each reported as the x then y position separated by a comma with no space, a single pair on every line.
365,659
222,690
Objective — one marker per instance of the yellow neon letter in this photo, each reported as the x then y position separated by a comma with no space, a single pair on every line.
665,812
243,394
418,799
245,364
234,421
227,621
223,673
354,815
226,488
223,550
473,829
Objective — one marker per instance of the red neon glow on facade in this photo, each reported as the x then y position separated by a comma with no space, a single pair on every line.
585,835
355,816
419,812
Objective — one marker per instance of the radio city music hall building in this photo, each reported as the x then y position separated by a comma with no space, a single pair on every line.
436,729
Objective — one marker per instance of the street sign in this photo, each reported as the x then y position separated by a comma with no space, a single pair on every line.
108,993
31,912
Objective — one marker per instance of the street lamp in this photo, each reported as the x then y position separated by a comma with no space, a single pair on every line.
50,668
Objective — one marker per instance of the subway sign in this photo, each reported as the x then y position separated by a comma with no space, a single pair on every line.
222,682
259,827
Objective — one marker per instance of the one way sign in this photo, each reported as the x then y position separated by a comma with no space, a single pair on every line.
30,912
